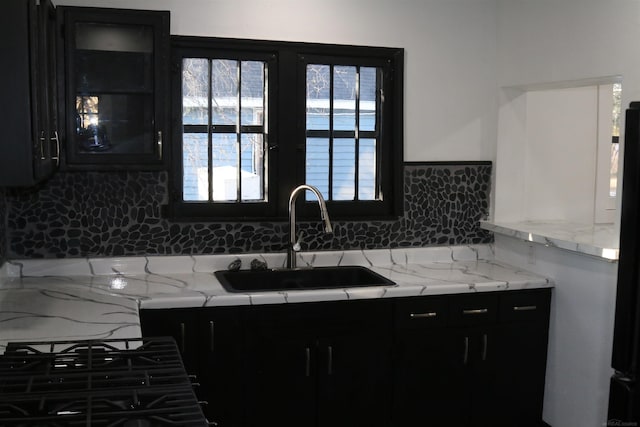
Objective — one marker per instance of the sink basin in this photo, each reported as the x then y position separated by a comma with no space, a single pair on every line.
300,279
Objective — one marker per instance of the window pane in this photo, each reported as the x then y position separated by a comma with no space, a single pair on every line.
224,171
344,98
252,174
368,86
224,91
195,90
318,90
344,169
252,92
317,166
367,169
195,184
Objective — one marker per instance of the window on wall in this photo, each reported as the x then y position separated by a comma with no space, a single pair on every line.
258,118
342,112
223,130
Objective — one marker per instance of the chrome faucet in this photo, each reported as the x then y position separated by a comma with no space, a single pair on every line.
294,245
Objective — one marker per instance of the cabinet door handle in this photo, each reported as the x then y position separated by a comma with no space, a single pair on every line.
475,311
211,335
57,141
525,307
465,357
159,141
42,139
485,346
307,364
329,360
182,338
423,315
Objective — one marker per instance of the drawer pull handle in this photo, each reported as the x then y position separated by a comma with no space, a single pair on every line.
525,308
307,364
423,315
476,311
329,360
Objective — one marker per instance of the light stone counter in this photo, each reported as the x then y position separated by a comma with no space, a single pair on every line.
99,297
601,241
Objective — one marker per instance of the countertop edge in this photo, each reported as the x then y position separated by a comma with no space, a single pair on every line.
578,238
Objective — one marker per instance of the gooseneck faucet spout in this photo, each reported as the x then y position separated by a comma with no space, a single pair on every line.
294,245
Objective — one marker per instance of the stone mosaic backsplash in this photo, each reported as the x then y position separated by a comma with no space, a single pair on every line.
92,214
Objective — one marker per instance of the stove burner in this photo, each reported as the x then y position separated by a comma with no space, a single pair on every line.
96,383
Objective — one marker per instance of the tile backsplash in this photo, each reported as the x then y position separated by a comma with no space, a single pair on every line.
119,213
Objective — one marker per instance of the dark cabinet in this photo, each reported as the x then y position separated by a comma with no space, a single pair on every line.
30,145
471,360
209,340
182,325
451,360
319,364
220,371
116,88
521,354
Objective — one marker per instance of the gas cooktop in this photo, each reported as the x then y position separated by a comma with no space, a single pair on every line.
121,382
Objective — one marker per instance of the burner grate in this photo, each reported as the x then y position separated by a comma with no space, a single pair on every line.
137,382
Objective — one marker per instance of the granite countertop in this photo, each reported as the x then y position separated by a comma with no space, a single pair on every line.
599,240
70,299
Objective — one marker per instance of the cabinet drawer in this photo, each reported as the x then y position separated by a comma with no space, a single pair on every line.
472,310
419,313
525,306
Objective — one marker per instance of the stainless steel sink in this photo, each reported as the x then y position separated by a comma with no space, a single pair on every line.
300,279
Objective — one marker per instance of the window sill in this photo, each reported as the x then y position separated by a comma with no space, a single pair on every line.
601,241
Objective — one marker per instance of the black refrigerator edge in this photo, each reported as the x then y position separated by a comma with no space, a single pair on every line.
624,404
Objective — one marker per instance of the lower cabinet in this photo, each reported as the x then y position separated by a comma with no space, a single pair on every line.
319,364
453,360
210,342
471,360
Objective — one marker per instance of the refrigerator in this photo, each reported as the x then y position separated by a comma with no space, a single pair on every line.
624,393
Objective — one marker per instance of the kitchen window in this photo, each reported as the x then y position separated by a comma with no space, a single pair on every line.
257,118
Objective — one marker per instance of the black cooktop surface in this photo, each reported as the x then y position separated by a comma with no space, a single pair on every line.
120,382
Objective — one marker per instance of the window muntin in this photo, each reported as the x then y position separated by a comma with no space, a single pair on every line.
342,139
224,130
284,132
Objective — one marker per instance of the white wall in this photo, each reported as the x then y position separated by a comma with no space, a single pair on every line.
450,54
580,333
547,41
547,155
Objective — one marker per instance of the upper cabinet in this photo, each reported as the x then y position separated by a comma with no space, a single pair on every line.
115,91
29,146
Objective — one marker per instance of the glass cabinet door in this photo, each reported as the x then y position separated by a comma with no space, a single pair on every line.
116,76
